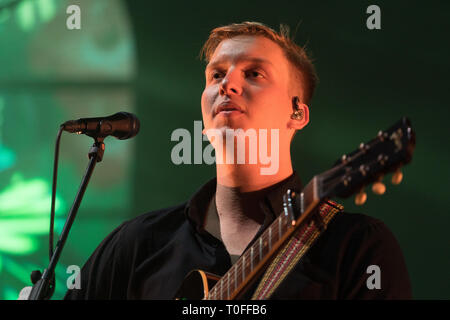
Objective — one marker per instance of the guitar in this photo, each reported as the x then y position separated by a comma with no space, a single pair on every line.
386,153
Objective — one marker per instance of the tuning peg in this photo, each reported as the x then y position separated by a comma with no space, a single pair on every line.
382,135
379,187
397,177
360,198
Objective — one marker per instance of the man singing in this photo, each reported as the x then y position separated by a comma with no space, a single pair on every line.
260,81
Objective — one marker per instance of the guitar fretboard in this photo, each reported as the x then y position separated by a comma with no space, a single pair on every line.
246,264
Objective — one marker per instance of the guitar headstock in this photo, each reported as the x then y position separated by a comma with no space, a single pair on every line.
387,152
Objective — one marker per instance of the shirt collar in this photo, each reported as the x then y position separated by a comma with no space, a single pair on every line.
197,206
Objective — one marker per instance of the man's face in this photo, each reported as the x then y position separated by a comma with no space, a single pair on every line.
252,74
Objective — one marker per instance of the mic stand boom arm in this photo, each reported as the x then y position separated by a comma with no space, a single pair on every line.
41,289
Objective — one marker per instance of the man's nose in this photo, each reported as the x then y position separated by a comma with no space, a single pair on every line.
231,84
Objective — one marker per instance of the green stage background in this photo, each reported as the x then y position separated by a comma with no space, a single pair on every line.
142,57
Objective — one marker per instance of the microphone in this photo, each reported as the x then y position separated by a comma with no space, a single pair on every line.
122,125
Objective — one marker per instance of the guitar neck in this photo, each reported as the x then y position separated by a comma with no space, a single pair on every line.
249,266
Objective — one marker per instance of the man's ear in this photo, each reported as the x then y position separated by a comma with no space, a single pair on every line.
298,124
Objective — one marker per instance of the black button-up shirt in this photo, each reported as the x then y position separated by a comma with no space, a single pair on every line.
149,256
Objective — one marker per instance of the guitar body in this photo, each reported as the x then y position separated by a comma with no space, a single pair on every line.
196,285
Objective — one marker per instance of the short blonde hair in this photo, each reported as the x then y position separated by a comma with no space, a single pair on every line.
295,54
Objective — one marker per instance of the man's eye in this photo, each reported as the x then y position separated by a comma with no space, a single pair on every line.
216,75
255,74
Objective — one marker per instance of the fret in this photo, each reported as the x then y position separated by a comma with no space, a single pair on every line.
235,277
260,248
302,202
221,289
279,228
243,268
228,286
270,238
251,259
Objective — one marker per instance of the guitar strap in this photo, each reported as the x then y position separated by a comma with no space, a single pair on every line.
295,248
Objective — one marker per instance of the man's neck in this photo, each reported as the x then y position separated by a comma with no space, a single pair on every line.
248,177
239,212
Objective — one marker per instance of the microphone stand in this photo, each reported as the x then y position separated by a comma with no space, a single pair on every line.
44,287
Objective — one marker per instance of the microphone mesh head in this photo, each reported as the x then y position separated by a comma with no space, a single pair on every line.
132,127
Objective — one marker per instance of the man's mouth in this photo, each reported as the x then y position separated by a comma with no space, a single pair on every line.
227,108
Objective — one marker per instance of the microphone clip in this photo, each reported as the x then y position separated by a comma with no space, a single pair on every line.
97,149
